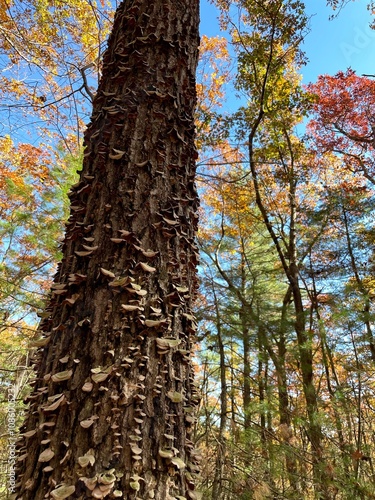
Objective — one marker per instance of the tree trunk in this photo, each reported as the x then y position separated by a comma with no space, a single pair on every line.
246,366
217,483
110,414
289,262
365,294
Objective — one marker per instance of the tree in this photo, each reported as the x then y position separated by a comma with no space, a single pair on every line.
268,58
343,120
49,53
33,209
112,407
242,283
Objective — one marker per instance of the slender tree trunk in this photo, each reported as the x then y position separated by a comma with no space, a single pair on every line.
246,369
217,485
262,377
328,364
282,384
262,367
306,362
245,313
110,414
284,408
289,262
366,306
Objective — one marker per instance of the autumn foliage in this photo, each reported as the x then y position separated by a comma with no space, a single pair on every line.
343,120
286,308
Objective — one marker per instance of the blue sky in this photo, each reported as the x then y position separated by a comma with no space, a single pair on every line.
346,41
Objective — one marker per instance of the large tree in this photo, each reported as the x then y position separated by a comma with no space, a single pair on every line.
111,409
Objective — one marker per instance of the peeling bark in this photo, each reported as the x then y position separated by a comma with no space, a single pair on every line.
114,394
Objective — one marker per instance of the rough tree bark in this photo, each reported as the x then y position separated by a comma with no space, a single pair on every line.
111,410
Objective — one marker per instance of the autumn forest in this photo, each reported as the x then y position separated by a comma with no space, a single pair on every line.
154,346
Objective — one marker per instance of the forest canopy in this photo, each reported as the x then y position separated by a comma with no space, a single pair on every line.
285,346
